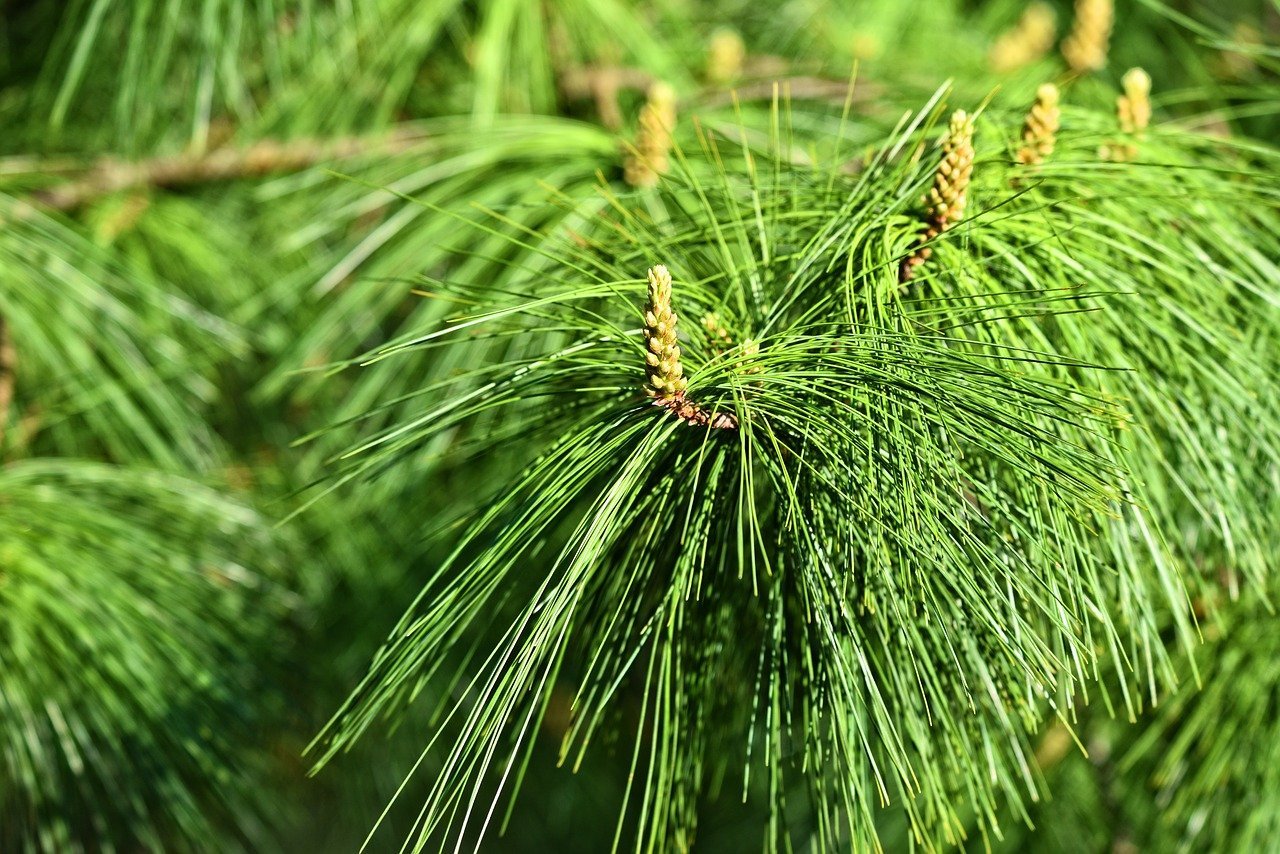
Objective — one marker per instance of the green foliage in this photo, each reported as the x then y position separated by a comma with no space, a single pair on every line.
111,361
940,470
982,561
1209,756
130,600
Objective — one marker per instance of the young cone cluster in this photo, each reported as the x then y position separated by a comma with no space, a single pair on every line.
915,483
1085,47
649,160
663,371
1134,106
1133,112
1027,40
946,200
726,53
717,334
1040,130
664,374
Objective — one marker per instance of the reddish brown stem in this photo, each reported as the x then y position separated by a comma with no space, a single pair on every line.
688,411
8,366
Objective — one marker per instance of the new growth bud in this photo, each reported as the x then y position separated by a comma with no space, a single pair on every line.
1085,47
950,190
664,374
650,159
945,203
1040,129
1134,107
1133,113
1027,40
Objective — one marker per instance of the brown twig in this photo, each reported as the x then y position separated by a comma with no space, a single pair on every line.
267,157
8,367
803,87
602,84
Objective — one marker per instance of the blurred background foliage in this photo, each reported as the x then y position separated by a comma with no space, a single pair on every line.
205,204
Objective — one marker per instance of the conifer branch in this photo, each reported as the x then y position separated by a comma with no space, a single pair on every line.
943,521
267,157
961,487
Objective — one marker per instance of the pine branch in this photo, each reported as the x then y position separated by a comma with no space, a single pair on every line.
133,601
951,471
943,514
116,362
266,157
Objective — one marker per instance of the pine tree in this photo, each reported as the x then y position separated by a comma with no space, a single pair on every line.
573,424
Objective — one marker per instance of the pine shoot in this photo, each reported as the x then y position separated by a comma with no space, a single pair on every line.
650,158
726,54
1085,47
664,374
1133,114
1040,129
946,200
1027,40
